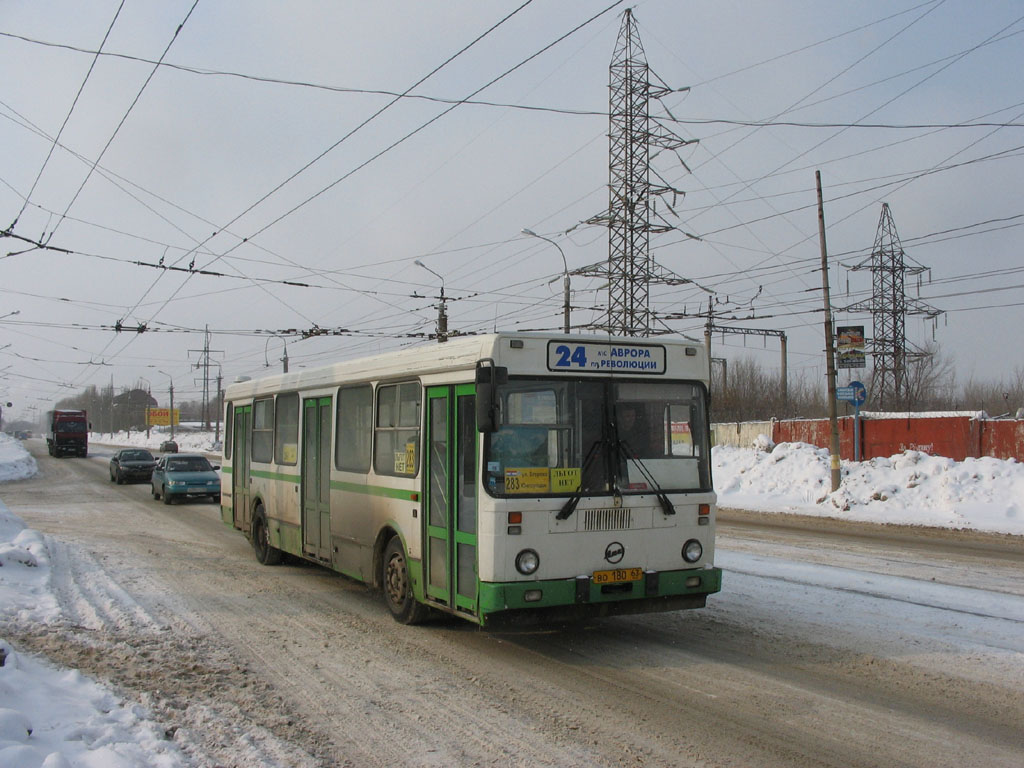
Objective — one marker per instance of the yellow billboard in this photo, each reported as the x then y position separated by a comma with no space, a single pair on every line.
161,417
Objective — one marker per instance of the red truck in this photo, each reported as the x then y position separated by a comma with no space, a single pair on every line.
68,433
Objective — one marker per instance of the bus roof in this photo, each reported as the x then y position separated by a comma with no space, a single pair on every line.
462,354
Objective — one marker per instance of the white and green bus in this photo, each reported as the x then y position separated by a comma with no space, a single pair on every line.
498,478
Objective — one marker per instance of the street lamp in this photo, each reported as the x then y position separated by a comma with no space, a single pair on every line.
284,358
220,400
442,312
565,280
171,415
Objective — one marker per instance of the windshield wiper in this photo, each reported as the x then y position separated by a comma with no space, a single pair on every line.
570,505
628,453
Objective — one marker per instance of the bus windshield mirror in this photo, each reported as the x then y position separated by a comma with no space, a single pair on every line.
488,377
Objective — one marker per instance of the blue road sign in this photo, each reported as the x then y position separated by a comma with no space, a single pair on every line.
855,393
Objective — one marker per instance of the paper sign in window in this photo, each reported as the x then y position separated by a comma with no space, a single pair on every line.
531,480
565,479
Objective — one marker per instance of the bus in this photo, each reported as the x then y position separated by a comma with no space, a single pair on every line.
500,478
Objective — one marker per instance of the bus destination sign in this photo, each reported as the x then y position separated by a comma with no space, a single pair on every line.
591,357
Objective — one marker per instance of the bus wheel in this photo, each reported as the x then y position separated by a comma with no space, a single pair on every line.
265,553
398,587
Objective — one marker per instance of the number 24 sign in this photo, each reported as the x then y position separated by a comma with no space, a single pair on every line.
626,358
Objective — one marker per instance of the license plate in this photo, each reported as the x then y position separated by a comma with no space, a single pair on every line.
618,576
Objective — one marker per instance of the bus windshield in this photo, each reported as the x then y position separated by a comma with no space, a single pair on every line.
562,437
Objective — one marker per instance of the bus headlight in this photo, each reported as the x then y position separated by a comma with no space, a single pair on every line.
527,562
692,550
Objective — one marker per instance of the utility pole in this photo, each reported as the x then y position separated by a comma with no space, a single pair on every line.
442,309
204,363
707,338
171,391
830,358
566,327
220,398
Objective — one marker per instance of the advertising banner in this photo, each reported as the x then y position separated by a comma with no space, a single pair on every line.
161,417
850,347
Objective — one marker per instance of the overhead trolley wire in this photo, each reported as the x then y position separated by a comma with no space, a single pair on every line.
67,117
124,117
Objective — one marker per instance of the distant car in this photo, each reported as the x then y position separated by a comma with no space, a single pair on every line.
131,465
185,476
22,434
168,446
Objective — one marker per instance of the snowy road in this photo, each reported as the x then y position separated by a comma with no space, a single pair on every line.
830,645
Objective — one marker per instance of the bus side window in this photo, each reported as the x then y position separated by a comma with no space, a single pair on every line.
355,428
263,429
286,429
229,431
397,432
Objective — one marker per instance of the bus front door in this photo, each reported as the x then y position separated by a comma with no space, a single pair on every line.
241,496
450,522
316,478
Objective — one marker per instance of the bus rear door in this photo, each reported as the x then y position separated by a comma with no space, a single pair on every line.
240,493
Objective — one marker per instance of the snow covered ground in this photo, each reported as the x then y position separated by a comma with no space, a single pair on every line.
55,717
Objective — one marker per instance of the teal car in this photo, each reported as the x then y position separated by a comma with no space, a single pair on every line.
185,476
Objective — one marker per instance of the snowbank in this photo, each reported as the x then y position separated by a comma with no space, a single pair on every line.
15,462
910,488
57,718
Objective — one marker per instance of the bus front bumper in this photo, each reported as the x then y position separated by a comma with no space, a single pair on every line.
580,597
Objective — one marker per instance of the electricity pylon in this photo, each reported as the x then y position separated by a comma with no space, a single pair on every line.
889,306
635,138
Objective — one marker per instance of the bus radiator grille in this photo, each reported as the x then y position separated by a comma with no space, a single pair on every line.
607,519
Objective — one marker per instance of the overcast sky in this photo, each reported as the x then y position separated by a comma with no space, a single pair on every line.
270,148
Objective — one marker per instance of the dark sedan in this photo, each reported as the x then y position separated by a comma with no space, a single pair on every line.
131,465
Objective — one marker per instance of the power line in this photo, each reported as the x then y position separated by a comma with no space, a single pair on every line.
67,117
123,119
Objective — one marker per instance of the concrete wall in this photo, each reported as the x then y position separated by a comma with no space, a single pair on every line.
740,433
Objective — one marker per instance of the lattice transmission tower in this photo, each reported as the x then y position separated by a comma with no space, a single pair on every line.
635,139
889,306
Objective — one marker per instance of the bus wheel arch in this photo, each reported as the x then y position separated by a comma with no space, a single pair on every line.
266,553
396,583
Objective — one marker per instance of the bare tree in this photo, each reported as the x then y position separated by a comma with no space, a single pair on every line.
930,380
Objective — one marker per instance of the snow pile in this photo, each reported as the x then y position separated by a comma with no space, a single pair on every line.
25,592
50,717
910,488
15,462
55,718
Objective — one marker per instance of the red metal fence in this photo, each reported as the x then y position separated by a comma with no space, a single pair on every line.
957,436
